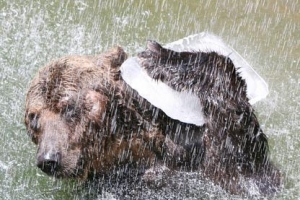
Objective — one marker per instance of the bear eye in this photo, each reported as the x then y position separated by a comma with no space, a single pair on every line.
33,126
33,121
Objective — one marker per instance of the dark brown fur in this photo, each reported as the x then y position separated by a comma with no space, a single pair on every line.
235,146
86,120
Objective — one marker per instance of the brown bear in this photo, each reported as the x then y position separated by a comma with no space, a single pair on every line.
86,120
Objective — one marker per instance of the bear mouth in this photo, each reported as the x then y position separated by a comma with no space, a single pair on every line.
61,169
60,172
51,168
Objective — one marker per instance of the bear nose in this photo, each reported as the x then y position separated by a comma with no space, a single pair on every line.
49,162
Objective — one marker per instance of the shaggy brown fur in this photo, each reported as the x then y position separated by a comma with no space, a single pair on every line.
86,120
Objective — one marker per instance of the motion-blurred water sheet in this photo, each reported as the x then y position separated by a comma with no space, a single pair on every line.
32,32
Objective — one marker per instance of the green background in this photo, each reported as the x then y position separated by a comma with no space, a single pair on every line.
32,32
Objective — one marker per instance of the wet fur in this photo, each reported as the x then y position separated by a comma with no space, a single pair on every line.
234,145
80,107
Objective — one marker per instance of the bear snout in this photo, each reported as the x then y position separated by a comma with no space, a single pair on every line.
49,162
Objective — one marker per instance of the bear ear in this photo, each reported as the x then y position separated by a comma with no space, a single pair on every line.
95,104
112,60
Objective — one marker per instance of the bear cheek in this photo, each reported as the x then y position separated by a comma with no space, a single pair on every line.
95,104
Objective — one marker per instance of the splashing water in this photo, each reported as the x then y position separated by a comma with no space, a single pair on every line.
32,33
